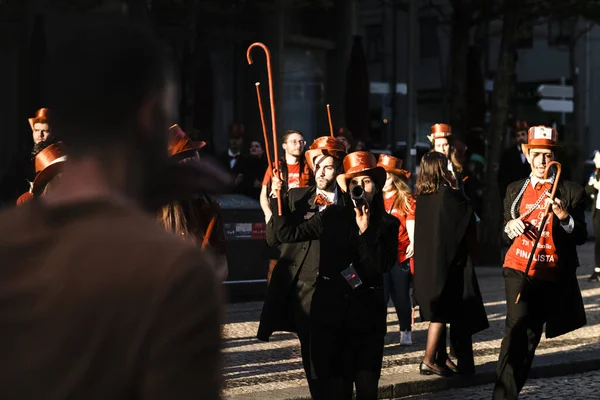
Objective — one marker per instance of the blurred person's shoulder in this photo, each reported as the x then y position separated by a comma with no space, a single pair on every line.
117,242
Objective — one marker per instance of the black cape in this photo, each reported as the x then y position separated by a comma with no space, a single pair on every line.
445,285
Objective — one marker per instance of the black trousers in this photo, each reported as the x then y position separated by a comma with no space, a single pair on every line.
524,325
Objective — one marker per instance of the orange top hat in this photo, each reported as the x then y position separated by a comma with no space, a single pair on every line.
48,164
392,165
24,198
180,144
540,137
439,131
324,145
361,163
521,126
41,116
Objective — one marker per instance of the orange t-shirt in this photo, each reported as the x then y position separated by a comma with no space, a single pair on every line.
295,179
545,258
403,239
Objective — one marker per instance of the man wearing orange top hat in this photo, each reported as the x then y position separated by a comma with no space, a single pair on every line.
40,126
358,243
513,164
288,303
191,218
551,294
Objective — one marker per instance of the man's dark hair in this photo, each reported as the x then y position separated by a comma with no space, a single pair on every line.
99,77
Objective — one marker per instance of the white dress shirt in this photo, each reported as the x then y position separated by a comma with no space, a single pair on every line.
332,197
233,160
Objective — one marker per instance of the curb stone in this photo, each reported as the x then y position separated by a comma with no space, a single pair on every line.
402,386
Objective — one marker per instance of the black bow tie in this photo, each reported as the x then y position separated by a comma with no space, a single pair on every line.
233,157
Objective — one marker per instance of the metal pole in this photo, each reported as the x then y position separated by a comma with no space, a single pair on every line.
411,84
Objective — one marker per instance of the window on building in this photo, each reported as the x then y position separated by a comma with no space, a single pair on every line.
560,31
429,39
374,39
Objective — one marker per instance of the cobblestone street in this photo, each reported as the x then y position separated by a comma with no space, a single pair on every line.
254,367
574,387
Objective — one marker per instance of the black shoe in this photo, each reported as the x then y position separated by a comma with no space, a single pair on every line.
425,369
594,277
460,370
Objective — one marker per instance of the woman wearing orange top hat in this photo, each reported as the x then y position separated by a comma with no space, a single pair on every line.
358,242
399,202
443,142
192,217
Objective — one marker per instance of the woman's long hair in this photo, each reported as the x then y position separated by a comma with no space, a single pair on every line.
456,164
180,218
434,173
402,193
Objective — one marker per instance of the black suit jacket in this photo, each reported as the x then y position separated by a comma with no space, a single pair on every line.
512,168
371,254
244,167
289,294
570,314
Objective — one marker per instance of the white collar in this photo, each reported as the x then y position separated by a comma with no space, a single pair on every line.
450,167
231,154
333,197
535,181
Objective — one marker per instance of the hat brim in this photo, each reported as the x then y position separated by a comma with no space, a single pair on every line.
525,147
432,138
396,171
376,173
31,122
45,176
189,152
311,154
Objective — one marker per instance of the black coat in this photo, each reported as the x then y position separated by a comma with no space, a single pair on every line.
512,168
374,252
569,311
288,294
445,285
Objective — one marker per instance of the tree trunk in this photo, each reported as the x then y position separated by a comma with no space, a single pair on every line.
491,224
457,94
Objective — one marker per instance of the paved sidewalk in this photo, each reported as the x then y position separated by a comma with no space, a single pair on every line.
585,386
258,370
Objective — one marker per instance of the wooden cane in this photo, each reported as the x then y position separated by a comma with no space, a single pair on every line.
547,212
272,103
208,232
329,117
264,126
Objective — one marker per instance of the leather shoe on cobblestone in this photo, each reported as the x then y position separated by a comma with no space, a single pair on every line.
425,369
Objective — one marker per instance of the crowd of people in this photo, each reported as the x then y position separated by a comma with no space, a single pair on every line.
113,258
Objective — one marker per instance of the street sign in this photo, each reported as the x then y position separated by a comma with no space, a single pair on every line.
555,91
384,88
554,105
